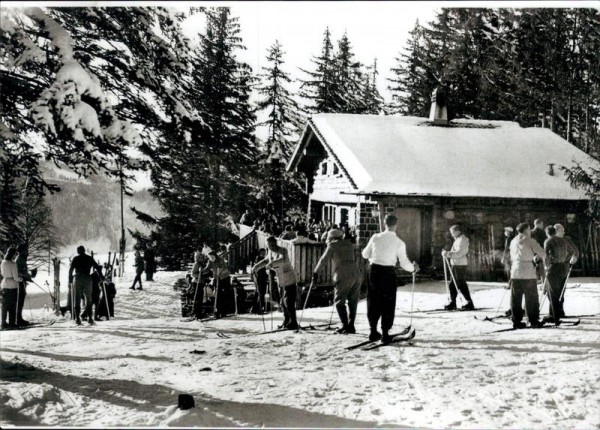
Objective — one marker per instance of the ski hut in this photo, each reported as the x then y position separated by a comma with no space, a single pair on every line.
433,173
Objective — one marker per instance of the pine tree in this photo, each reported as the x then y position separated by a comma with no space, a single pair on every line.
348,89
372,100
319,88
283,126
201,176
410,85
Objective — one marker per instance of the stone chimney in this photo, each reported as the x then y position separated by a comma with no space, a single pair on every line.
439,111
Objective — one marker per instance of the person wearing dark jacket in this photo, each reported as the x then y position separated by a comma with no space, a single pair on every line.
96,281
82,265
111,292
139,269
346,277
150,263
261,280
221,283
539,235
25,276
557,262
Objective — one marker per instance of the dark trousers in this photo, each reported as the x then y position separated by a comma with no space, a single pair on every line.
259,305
9,306
83,290
288,303
381,296
555,282
224,297
21,304
138,278
460,274
527,288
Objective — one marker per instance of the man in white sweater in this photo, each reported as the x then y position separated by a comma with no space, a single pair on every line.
525,251
458,261
383,251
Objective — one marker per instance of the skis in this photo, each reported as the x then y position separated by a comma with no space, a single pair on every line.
491,319
367,342
32,325
395,339
562,324
441,310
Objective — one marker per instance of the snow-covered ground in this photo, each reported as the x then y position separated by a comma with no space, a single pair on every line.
128,371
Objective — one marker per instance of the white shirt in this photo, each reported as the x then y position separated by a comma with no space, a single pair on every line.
385,249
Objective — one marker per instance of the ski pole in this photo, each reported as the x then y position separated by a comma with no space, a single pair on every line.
17,306
216,294
446,279
270,298
72,300
195,295
312,282
562,293
105,301
331,316
451,275
261,300
412,298
502,299
235,298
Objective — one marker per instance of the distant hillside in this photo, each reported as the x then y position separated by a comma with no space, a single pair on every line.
88,210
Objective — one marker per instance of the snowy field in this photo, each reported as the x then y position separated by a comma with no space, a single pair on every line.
128,371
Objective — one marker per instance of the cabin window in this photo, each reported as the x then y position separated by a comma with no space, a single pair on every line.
336,169
324,168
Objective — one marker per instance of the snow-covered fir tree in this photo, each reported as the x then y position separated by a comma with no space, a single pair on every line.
282,123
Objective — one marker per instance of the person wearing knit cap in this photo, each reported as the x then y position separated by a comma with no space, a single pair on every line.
346,277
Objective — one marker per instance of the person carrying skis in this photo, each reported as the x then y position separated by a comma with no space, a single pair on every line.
346,278
10,286
82,265
559,254
139,269
457,257
523,251
221,282
383,251
286,278
25,276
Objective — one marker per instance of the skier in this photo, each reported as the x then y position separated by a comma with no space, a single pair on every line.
150,263
25,276
96,280
346,278
81,265
110,292
383,251
10,286
139,269
458,260
539,235
261,280
505,260
286,279
221,283
523,251
559,254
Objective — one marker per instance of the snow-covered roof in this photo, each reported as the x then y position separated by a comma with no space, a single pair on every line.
472,158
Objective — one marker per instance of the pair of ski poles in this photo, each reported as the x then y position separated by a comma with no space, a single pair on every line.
312,282
447,263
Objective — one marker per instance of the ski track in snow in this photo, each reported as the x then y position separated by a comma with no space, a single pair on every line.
128,371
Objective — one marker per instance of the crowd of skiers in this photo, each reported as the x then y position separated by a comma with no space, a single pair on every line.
529,255
86,282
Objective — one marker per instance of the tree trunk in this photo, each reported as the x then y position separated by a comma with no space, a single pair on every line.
56,263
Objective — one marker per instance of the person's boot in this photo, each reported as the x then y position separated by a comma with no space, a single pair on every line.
78,321
292,326
386,338
139,288
468,307
519,325
91,321
350,329
450,306
341,310
375,335
547,319
536,324
63,310
22,323
508,313
132,287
